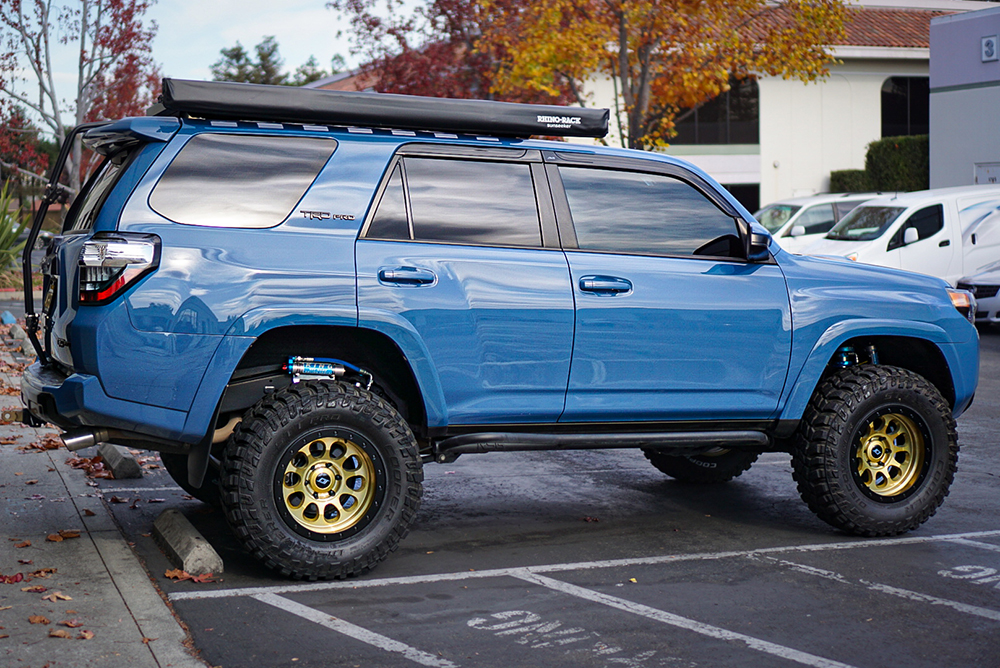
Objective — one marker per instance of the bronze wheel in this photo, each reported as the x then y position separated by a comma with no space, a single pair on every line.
890,454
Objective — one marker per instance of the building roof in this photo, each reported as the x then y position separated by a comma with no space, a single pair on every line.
889,27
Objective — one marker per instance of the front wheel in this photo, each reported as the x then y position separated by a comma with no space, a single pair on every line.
877,450
321,480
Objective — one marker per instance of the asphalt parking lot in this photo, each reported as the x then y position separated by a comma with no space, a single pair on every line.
597,559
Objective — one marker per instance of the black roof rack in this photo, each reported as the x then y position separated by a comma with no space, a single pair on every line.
256,102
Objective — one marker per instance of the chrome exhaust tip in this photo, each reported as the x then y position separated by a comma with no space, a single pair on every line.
78,439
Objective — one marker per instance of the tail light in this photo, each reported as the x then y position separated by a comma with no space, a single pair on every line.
111,262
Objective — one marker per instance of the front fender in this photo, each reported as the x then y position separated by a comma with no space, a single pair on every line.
957,358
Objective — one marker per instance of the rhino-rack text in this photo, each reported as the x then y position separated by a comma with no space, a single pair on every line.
560,121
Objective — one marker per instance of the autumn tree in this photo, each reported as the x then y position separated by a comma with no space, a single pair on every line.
662,55
23,154
114,73
433,50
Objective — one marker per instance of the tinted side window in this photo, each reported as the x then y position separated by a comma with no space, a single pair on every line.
96,190
631,212
471,202
239,180
927,222
817,219
390,220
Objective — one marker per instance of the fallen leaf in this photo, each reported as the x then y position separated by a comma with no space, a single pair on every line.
202,579
87,512
11,579
632,580
71,623
35,589
7,607
43,572
59,633
177,574
57,596
69,533
146,641
38,619
26,543
135,504
25,562
156,500
30,482
117,499
85,635
54,538
3,635
591,519
71,612
19,473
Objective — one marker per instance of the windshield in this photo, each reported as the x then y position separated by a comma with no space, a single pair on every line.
865,223
775,215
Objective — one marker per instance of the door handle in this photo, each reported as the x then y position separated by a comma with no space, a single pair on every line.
406,276
605,285
946,242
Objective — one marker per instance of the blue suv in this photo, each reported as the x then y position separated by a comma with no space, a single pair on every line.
299,297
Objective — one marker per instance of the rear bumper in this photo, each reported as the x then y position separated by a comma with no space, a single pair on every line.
78,400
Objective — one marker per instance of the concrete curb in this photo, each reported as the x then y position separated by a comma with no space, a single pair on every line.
184,545
123,465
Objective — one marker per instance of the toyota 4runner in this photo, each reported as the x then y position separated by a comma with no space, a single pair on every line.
300,297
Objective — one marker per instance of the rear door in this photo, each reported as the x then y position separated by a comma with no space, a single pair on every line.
461,249
672,324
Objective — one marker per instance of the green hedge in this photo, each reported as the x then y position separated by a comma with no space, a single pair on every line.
849,181
898,164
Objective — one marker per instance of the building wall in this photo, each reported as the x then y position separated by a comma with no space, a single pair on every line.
809,130
965,97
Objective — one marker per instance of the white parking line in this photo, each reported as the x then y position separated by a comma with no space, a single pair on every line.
976,543
358,633
934,600
679,622
577,566
894,591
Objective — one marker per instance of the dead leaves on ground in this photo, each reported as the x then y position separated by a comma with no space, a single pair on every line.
93,466
48,442
64,534
178,575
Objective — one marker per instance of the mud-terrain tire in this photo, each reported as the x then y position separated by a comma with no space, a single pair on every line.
877,450
321,480
177,466
718,465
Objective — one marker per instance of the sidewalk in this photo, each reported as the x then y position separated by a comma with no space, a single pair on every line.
72,592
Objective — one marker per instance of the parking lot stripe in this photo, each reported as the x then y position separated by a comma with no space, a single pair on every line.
894,591
577,566
364,635
680,622
934,600
976,543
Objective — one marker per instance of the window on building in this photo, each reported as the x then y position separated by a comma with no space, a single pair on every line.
905,106
730,118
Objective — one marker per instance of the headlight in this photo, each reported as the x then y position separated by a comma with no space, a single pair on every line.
964,302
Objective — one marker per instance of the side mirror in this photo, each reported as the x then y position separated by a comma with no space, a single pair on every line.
797,231
757,247
910,236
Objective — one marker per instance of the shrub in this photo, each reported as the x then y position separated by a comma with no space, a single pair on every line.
12,223
849,181
898,164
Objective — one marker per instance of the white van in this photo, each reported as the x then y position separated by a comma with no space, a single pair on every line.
798,221
947,232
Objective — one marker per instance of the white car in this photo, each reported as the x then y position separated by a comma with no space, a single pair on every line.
946,232
985,286
798,221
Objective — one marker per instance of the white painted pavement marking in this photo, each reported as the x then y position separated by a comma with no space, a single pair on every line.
934,600
358,633
680,622
577,566
894,591
976,543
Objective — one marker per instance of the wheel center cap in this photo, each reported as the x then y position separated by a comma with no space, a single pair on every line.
322,480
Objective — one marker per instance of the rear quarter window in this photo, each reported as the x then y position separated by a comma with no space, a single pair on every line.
229,180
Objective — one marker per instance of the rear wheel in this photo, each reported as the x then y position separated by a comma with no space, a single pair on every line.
716,465
321,480
177,466
877,450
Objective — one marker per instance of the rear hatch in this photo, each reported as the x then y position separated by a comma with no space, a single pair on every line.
86,241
